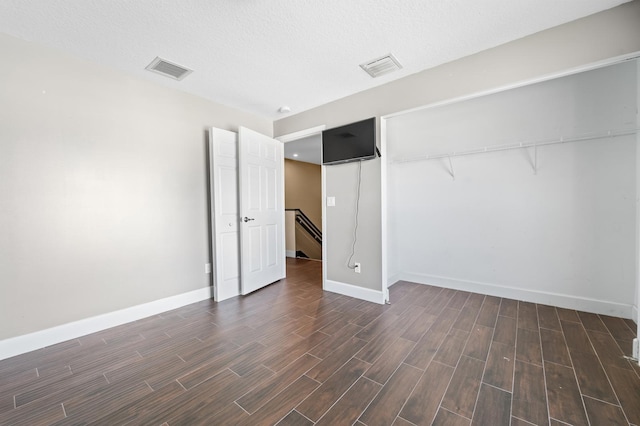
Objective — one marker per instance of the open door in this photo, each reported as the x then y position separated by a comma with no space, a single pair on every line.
260,171
223,169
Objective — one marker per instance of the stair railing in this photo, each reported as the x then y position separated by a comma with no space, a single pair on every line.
308,226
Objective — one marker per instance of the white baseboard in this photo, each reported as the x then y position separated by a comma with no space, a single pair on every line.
634,313
40,339
354,291
290,253
393,279
547,298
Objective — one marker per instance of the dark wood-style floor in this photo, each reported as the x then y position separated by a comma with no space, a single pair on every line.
292,355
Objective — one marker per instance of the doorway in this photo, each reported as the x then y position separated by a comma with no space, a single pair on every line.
303,203
304,194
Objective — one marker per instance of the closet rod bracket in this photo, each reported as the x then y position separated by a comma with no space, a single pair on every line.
451,171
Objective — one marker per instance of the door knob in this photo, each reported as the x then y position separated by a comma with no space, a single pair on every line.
247,219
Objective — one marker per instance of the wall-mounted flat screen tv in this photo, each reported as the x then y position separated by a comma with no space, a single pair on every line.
353,142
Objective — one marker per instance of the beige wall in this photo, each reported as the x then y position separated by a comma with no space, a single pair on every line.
290,233
598,37
103,188
303,189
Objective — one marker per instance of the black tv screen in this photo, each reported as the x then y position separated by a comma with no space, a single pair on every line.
353,142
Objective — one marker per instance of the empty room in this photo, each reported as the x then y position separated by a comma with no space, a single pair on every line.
332,213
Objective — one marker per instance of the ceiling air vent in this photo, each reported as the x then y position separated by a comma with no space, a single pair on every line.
168,69
380,66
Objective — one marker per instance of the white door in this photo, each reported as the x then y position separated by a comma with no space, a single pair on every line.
223,175
261,164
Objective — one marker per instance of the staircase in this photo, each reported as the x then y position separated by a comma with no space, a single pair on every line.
307,235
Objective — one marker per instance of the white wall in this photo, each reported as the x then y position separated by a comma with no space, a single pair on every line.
564,236
103,188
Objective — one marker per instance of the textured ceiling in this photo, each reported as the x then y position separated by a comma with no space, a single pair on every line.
257,55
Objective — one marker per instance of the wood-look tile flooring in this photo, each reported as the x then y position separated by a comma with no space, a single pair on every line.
292,355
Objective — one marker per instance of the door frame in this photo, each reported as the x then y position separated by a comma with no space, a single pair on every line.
294,136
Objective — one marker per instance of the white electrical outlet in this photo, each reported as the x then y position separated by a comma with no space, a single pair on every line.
331,201
357,268
207,268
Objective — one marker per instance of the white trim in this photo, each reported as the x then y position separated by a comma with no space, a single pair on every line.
634,314
637,247
290,253
325,234
40,339
547,298
283,236
393,279
290,137
354,291
535,80
384,240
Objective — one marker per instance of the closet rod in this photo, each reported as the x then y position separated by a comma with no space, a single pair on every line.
608,134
